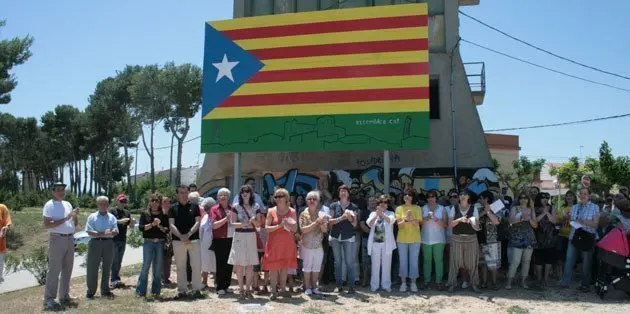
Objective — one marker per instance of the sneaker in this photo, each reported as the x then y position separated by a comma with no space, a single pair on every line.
317,291
413,286
308,292
180,296
403,287
221,292
50,305
351,290
464,284
339,289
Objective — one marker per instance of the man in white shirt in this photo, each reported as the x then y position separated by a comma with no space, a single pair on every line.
257,199
61,222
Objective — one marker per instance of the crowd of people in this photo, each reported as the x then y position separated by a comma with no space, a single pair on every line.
416,241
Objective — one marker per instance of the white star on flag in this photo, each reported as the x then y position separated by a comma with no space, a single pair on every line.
225,68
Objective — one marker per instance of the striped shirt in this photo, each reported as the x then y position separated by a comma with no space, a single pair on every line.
584,212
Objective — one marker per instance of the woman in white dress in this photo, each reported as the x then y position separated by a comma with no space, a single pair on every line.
244,252
381,244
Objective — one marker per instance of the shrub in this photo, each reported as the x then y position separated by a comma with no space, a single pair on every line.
71,198
35,262
87,201
134,238
15,203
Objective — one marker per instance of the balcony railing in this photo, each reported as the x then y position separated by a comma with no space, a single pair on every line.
476,73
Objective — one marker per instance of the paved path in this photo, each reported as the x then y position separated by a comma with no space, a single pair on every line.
23,279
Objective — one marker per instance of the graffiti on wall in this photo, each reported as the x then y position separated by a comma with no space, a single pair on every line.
371,181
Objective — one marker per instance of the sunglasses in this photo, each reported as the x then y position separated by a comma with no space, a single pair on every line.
245,192
278,196
123,201
453,196
155,201
311,199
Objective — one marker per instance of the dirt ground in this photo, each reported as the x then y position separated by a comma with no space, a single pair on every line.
516,301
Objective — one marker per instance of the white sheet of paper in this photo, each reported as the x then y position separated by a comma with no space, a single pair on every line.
497,206
575,224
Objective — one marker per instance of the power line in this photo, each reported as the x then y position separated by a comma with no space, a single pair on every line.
562,123
544,50
544,67
169,146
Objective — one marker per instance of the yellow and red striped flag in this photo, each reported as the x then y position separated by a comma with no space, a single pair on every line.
349,79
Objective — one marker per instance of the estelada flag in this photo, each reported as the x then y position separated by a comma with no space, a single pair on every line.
364,61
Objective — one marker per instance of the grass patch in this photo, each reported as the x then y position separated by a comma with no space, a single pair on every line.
28,231
515,309
30,300
312,310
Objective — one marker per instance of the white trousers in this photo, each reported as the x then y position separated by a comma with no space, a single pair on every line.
181,250
381,267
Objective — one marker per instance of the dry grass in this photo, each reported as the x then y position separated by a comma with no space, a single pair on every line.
516,301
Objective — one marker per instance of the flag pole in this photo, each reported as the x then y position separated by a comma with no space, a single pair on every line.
236,177
386,171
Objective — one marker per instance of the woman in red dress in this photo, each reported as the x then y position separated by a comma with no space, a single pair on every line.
280,250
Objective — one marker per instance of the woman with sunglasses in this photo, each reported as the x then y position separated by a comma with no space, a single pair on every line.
381,244
434,222
154,226
464,251
244,252
545,253
409,219
280,250
522,239
313,226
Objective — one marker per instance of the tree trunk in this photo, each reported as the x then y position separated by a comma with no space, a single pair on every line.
127,167
150,152
77,170
170,167
85,173
71,174
91,174
180,146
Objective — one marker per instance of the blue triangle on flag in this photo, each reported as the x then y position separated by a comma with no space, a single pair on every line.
218,46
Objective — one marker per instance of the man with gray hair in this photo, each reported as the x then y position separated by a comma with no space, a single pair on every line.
102,227
60,220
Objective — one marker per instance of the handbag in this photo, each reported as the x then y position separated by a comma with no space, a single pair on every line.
583,240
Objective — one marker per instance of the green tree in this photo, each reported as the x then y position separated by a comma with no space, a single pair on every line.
13,52
616,170
569,173
523,173
184,90
150,105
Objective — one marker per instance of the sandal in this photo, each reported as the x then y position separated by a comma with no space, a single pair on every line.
274,296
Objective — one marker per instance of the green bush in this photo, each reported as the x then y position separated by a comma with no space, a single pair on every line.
134,238
71,198
35,262
15,203
142,191
87,201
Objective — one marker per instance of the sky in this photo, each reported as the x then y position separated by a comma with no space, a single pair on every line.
78,43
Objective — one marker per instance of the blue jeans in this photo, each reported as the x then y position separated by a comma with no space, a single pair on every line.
344,252
408,254
569,264
119,252
152,254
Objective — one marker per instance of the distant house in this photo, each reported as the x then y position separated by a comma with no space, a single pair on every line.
189,175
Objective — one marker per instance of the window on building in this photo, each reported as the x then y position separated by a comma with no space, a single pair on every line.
434,97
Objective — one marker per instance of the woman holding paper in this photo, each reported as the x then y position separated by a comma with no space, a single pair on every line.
522,238
433,234
464,252
313,226
409,219
488,239
280,250
381,244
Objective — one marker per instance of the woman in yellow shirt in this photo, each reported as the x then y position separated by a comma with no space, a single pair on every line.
563,217
408,218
